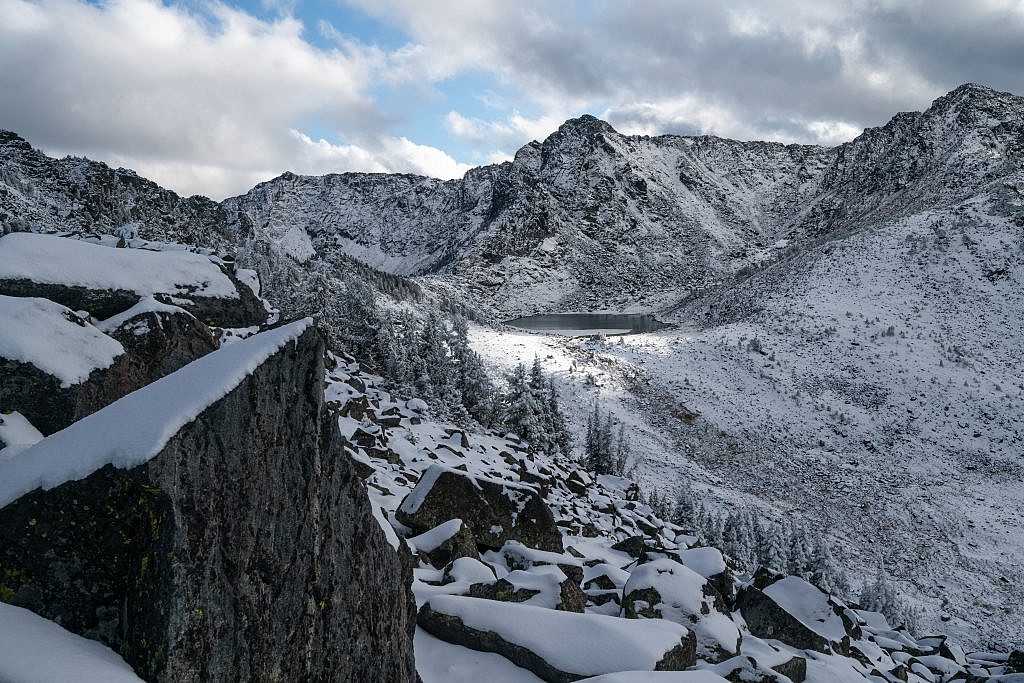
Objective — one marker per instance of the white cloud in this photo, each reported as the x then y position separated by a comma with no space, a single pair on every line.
792,70
213,99
205,104
508,134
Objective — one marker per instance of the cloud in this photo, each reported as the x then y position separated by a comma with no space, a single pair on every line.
208,98
199,102
795,70
508,133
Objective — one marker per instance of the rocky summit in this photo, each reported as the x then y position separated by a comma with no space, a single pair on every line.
287,436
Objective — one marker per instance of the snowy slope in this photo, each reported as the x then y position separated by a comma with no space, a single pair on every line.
403,460
880,401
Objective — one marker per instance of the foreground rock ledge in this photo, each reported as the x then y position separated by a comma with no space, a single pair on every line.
245,550
557,646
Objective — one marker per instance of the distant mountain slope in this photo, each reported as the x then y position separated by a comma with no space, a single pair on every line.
591,218
587,218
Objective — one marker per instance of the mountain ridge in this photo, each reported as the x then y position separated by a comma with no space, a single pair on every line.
841,317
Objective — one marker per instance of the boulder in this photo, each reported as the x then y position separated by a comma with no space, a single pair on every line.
160,341
85,369
795,669
242,547
545,586
494,510
467,571
709,563
634,546
1016,661
796,613
446,543
558,646
743,669
665,589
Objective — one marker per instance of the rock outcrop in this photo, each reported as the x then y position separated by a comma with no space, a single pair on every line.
796,613
495,511
155,343
246,549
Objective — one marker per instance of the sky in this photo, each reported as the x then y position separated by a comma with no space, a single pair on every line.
209,97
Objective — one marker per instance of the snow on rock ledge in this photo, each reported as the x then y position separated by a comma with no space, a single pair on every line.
53,339
106,281
55,260
136,427
559,646
210,527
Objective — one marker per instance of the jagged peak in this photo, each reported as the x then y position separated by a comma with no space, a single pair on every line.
973,95
587,125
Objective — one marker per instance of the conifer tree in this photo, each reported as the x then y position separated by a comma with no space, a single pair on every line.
685,511
881,596
798,553
521,411
823,572
562,437
772,548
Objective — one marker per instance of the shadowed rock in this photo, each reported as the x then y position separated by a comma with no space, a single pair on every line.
494,511
156,343
246,549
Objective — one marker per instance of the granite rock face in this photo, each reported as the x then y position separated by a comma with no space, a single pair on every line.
156,343
245,550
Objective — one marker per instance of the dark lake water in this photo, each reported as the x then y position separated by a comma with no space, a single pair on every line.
578,324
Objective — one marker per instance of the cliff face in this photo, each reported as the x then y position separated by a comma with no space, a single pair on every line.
245,550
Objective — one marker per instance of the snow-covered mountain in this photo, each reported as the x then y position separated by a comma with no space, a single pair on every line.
881,279
587,218
591,219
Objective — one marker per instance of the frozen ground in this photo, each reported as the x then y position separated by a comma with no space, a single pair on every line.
873,390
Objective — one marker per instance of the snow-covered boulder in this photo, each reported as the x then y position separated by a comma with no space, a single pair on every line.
746,669
658,677
795,612
445,543
16,433
105,281
543,586
56,367
665,589
494,510
709,563
159,338
467,571
204,528
559,646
